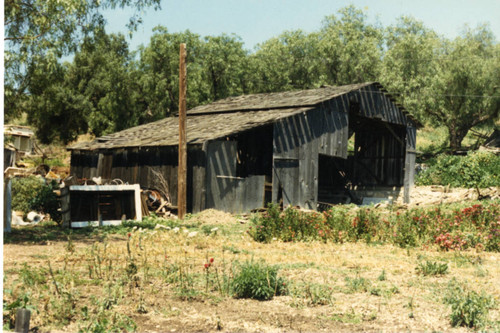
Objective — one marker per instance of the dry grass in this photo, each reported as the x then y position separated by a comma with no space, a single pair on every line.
393,298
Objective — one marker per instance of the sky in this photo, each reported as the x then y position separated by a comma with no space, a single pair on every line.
255,21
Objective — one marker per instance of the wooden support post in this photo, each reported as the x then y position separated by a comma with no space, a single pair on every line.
65,208
22,321
182,170
7,205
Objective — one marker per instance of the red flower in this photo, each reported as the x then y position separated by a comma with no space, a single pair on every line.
207,265
129,235
211,260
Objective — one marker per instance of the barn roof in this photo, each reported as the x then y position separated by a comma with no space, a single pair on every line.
222,118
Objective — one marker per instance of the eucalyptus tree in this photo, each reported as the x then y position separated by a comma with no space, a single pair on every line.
57,112
101,73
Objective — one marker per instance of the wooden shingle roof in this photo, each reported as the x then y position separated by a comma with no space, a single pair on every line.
199,129
221,118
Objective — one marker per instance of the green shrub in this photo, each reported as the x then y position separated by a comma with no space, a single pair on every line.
478,169
289,225
452,227
24,190
468,308
32,193
406,230
432,268
259,281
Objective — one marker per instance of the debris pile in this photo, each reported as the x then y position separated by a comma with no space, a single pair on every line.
155,200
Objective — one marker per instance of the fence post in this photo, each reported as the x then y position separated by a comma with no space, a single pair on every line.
22,320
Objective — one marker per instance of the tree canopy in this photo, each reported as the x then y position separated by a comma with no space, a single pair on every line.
452,83
44,31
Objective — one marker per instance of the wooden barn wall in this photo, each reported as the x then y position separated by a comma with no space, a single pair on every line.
226,191
411,144
374,104
138,166
298,141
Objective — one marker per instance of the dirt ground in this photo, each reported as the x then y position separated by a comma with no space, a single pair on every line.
437,194
415,307
406,301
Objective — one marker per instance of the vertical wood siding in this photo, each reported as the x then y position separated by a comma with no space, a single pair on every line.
298,141
136,166
226,191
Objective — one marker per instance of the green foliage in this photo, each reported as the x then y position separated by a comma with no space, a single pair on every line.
313,294
356,285
105,320
31,276
50,29
31,193
468,308
224,66
407,67
287,62
350,48
46,201
457,227
24,190
468,66
23,300
259,281
450,83
289,225
432,268
478,169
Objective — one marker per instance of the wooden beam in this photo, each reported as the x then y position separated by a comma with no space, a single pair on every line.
182,170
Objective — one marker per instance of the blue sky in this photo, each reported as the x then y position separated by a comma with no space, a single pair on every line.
255,21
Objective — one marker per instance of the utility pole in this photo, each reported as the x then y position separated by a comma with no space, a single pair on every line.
182,170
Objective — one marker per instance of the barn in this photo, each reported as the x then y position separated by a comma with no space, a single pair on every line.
305,148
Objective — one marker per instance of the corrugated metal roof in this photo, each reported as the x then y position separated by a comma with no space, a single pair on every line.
221,118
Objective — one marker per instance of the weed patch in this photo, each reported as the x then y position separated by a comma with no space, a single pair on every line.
432,268
453,227
259,281
468,308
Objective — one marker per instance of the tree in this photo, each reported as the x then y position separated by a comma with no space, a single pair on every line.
350,48
289,61
93,93
466,87
410,63
49,29
56,111
101,73
158,74
224,66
